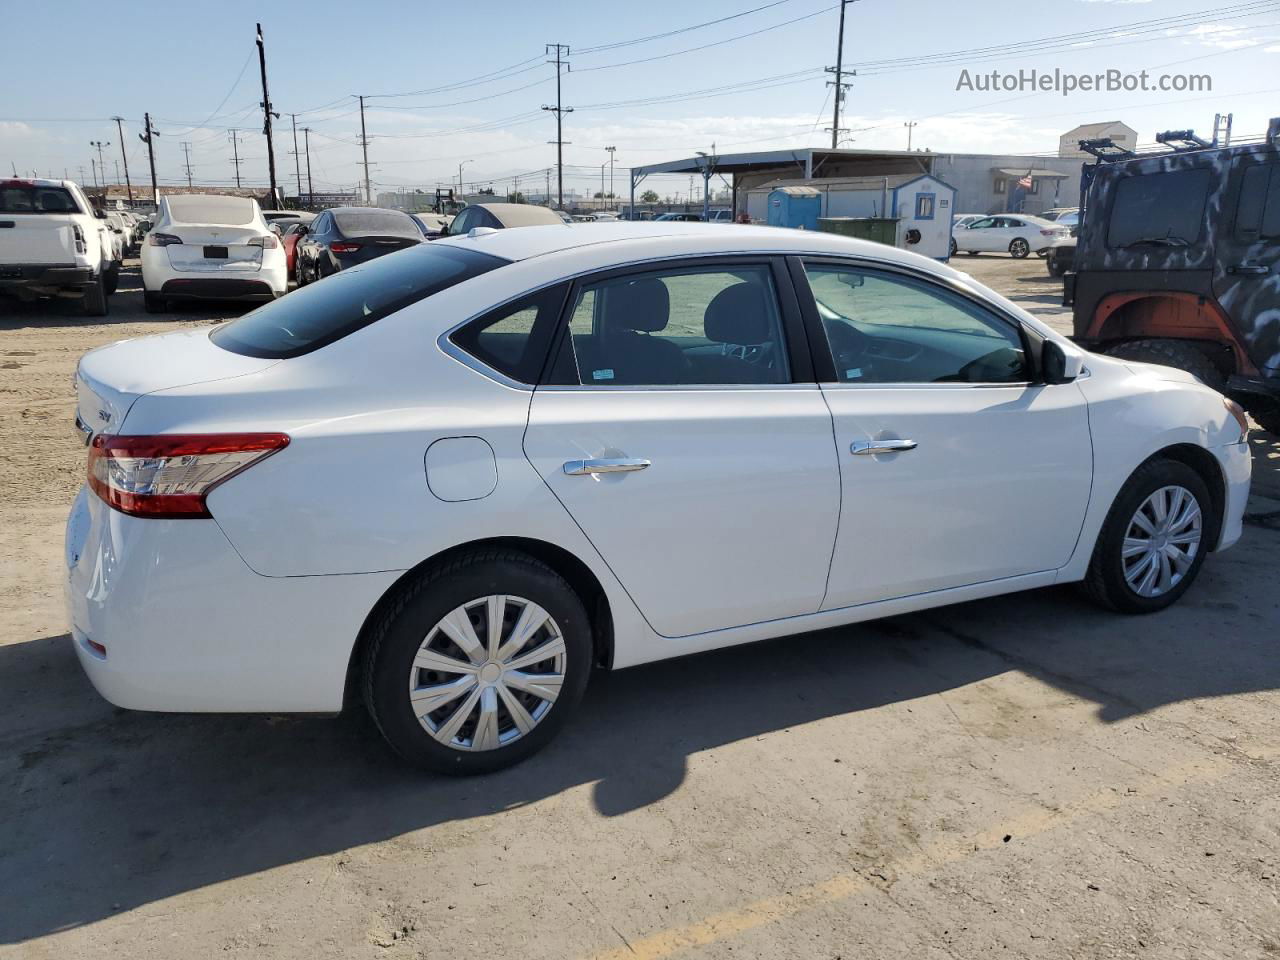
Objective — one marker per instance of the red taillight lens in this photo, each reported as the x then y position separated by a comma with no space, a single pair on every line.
344,247
171,475
268,242
162,239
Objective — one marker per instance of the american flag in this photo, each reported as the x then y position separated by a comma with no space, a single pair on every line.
1025,182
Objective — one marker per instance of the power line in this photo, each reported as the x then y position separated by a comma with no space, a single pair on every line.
600,47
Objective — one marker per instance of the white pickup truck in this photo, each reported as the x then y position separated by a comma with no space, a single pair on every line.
53,244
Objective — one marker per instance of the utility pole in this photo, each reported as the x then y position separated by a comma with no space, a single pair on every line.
612,151
267,115
94,171
186,149
839,83
234,136
149,140
559,110
116,163
364,145
297,163
15,171
306,139
548,186
910,125
123,156
102,167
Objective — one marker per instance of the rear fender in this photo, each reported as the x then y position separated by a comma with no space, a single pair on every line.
1178,316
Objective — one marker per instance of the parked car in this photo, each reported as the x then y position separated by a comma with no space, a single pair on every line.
206,247
53,243
345,236
1061,256
1015,234
289,237
679,217
434,225
721,216
1178,262
356,490
1066,216
122,234
964,219
504,216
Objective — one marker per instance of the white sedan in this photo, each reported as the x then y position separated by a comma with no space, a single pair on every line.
1015,234
454,480
210,247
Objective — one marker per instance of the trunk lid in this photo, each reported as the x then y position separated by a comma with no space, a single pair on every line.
198,240
37,238
110,379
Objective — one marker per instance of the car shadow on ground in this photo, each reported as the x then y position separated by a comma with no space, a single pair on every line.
106,810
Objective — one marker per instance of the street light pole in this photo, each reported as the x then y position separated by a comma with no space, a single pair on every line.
612,151
460,166
128,185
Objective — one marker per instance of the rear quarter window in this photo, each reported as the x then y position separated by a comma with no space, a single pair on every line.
322,313
1159,209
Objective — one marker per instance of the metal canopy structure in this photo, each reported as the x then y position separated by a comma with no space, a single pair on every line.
806,161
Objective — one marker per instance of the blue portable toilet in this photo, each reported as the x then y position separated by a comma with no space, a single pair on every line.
797,207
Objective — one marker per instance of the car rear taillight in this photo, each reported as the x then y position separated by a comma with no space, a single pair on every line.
162,239
269,242
1049,233
79,236
341,247
170,475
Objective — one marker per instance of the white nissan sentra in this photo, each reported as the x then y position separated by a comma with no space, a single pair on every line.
453,480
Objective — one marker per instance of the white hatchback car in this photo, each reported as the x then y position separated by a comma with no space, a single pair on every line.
454,479
211,248
1015,234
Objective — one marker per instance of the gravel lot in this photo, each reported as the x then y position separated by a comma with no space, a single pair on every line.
1018,777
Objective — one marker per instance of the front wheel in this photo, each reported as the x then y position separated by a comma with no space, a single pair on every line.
1019,248
953,246
1154,540
478,663
153,302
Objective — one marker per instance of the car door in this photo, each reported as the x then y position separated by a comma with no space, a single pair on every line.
957,466
307,246
681,429
1248,260
978,235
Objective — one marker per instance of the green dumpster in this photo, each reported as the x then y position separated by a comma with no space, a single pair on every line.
878,229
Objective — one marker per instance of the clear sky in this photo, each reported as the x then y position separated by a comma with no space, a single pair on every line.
472,79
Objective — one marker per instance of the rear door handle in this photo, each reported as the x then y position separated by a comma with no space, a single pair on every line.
582,468
866,448
1249,269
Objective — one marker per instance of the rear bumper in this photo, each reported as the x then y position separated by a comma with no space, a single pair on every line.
1260,386
188,627
42,275
217,288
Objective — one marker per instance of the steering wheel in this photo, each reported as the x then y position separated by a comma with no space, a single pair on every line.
758,354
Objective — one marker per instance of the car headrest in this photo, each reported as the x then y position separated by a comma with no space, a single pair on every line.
737,314
639,305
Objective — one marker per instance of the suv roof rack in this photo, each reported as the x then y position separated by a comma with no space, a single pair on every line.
1183,140
1105,150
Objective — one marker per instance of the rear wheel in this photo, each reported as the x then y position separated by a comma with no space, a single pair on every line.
1172,353
95,297
1019,248
111,279
1267,413
953,246
153,302
477,664
1055,266
1153,541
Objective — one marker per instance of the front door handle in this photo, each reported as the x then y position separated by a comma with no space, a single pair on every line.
1249,269
583,468
867,448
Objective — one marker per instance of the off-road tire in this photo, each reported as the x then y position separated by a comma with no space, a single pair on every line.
1267,415
1019,248
403,625
1104,583
1055,266
94,302
1172,353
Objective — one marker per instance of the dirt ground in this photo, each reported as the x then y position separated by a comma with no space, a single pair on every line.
1018,777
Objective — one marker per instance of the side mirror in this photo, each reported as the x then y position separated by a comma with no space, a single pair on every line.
1059,364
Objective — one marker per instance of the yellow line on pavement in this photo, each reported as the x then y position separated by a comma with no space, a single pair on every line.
1027,823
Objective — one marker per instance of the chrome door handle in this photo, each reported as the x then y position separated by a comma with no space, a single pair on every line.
582,468
866,448
1249,269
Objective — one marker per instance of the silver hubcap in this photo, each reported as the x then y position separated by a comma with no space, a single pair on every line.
487,673
1161,541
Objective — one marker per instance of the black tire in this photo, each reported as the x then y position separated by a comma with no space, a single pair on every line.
1172,353
1105,582
972,253
154,303
402,628
1055,266
1019,248
1267,414
94,302
953,246
111,279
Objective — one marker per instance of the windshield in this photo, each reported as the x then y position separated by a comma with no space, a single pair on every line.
362,223
229,211
29,198
322,313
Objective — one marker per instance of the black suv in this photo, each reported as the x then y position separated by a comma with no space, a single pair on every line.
1178,262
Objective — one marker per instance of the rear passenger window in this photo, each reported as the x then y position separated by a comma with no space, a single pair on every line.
690,326
1159,209
514,339
1258,211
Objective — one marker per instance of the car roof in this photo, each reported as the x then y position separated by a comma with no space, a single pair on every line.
639,240
520,214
